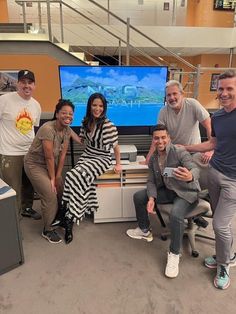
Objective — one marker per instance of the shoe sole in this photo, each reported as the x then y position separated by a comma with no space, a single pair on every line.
215,265
171,276
210,266
29,216
150,239
45,237
56,224
221,288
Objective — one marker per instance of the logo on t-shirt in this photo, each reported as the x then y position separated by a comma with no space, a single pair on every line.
24,122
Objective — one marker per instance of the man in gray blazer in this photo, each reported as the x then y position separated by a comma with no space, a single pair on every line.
177,184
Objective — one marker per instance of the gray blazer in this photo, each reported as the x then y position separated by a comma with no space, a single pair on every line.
176,156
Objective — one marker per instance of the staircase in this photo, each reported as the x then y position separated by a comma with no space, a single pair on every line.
14,27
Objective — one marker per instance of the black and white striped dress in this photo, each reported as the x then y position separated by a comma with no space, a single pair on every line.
79,194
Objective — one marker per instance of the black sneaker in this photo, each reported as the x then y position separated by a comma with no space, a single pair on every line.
51,236
56,222
31,213
201,222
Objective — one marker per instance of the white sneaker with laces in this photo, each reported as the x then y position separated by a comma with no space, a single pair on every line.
172,266
137,233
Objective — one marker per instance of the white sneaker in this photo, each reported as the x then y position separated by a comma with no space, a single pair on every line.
172,266
137,233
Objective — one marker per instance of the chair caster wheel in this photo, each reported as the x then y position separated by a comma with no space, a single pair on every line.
164,237
195,254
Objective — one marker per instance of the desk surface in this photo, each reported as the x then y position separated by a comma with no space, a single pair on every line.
7,194
134,164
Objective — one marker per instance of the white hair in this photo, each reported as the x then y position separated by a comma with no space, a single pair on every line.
175,83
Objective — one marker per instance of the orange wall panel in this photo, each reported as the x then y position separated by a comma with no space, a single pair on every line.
201,13
207,97
3,11
47,90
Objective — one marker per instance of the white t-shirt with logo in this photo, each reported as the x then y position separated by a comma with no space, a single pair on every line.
17,120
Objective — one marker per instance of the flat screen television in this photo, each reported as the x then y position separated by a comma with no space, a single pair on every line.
135,94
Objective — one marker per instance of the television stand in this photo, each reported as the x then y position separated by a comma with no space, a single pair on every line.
115,192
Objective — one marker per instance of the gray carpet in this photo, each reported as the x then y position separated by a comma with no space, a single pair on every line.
103,271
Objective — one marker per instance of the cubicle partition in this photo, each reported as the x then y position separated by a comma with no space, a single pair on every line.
11,251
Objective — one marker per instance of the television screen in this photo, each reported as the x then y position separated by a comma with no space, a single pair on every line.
135,94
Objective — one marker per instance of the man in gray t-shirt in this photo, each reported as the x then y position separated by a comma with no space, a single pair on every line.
181,116
184,123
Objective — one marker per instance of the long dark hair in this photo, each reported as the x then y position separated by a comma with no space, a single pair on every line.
61,103
89,118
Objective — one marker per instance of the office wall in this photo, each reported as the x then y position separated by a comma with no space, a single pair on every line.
48,86
201,13
205,96
3,11
46,72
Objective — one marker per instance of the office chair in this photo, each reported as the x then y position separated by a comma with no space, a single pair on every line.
192,230
203,208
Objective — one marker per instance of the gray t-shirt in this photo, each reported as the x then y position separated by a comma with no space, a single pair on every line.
183,127
47,132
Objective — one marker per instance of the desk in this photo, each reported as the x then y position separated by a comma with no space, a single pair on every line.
115,192
10,239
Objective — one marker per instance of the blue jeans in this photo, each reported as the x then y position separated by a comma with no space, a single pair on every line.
179,210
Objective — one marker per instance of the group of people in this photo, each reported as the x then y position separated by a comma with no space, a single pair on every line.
176,124
34,163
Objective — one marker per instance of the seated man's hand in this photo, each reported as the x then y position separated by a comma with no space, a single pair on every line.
150,206
183,174
206,157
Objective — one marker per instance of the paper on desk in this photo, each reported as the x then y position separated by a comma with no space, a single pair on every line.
6,190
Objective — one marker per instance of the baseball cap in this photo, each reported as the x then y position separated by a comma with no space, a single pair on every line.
26,74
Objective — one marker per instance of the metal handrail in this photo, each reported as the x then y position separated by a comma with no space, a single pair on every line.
129,26
22,2
110,33
144,35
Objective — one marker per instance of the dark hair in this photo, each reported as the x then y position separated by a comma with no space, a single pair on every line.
61,103
227,74
159,127
89,118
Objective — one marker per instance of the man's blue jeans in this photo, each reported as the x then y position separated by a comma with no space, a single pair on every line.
179,210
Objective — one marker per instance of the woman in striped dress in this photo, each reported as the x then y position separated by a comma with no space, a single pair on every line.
99,136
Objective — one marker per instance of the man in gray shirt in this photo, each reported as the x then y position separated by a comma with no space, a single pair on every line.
181,116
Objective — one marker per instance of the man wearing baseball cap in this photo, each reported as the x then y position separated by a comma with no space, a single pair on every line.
19,114
26,74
